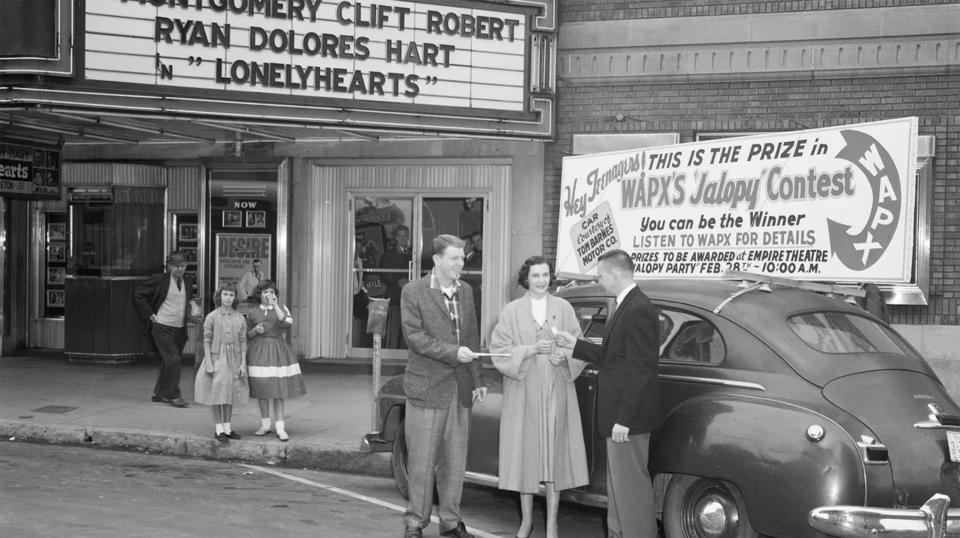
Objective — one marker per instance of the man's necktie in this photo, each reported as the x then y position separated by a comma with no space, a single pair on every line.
179,284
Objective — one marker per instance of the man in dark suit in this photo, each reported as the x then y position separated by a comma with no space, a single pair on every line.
473,264
628,397
163,302
441,382
396,257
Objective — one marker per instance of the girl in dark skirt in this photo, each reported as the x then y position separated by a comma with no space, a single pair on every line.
272,367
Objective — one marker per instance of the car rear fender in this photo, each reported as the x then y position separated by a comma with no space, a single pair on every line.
391,403
391,421
762,446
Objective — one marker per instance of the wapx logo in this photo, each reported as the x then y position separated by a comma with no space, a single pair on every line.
862,250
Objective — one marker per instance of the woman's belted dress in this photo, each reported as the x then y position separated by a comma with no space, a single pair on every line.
273,369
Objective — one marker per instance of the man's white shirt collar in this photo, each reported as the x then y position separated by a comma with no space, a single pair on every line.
623,294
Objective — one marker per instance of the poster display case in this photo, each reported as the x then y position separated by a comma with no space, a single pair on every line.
54,264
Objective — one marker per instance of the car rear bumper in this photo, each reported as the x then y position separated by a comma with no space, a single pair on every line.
935,519
374,442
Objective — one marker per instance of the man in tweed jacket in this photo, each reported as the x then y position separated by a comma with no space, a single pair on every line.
441,382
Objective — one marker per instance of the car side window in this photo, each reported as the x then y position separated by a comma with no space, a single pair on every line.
593,318
691,340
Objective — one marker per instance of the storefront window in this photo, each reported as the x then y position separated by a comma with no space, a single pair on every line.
118,235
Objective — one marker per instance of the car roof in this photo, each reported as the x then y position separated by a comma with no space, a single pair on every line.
708,294
761,313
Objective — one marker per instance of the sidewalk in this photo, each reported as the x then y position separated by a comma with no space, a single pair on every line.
45,398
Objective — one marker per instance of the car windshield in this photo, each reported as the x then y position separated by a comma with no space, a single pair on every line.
839,333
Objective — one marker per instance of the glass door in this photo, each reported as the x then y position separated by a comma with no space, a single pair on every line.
393,234
456,216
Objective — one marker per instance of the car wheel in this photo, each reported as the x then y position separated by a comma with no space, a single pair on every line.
696,507
399,461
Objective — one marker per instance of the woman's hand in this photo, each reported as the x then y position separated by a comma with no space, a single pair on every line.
544,347
558,358
564,339
259,328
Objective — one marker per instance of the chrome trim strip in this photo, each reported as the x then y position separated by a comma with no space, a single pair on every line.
481,478
934,425
713,381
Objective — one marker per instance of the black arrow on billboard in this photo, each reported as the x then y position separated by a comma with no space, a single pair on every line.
862,250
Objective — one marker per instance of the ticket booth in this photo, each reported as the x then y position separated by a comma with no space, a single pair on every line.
115,243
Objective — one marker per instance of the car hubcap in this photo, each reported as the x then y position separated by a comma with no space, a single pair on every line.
712,513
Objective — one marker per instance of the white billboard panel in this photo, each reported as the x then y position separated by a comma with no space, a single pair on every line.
831,204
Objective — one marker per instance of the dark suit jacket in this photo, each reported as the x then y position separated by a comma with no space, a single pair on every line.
628,390
392,259
150,295
434,375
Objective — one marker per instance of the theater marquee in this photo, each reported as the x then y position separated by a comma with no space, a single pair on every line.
474,59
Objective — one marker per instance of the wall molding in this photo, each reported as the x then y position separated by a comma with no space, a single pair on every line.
857,42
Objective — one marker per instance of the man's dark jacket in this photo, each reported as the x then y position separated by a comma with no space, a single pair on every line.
628,390
393,259
150,295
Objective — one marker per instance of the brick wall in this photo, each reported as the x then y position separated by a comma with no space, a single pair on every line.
602,10
781,105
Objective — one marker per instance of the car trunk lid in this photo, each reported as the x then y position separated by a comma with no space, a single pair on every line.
890,403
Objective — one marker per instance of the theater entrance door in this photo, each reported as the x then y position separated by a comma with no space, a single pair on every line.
393,233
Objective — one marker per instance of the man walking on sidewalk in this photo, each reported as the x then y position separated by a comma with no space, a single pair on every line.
442,381
163,302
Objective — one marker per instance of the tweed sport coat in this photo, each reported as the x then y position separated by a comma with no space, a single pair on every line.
628,388
433,372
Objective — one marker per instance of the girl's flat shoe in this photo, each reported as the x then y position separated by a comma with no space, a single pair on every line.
282,435
233,435
262,431
222,437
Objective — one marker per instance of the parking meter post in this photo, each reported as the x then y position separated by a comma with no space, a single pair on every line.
374,422
376,324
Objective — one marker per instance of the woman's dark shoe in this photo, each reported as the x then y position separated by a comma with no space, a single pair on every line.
222,437
233,435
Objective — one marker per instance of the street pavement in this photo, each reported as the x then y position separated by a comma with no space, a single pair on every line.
45,398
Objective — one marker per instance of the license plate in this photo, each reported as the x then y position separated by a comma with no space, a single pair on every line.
953,442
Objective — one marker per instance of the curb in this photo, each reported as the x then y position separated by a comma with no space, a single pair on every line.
188,445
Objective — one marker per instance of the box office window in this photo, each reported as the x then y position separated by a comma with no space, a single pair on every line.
118,236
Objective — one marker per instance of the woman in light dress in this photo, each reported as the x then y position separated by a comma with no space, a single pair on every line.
273,368
221,380
541,438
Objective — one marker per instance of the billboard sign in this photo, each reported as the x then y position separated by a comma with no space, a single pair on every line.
29,171
831,204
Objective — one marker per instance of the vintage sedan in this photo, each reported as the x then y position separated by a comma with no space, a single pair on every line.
778,400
